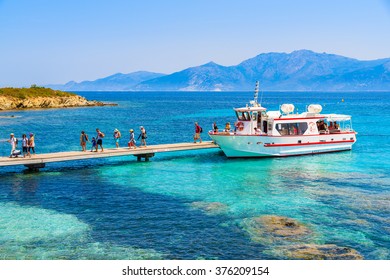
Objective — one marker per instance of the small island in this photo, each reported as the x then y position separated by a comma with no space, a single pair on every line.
40,97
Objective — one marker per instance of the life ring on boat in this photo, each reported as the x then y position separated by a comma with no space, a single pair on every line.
312,127
240,126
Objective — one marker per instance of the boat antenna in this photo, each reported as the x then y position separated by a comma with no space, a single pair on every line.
261,97
256,93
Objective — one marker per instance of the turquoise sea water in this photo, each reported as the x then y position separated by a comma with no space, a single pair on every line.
192,205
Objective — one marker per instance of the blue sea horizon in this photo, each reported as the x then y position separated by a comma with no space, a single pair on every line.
196,204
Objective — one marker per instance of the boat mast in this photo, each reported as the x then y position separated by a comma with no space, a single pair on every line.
255,102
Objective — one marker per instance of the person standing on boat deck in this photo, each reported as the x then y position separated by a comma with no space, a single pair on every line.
12,140
227,127
142,135
83,141
117,135
31,144
198,131
25,145
215,127
99,139
131,143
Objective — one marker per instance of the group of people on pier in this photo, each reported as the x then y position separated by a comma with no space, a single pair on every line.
28,145
97,141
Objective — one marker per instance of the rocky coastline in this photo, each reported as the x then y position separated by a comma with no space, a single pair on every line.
10,102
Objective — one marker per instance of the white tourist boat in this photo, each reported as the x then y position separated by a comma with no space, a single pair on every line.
261,133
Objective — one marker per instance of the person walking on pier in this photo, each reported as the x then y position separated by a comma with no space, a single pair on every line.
198,131
117,136
31,144
83,141
12,140
99,139
131,143
142,135
93,141
25,145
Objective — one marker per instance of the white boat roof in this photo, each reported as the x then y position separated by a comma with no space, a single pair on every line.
329,117
337,117
250,109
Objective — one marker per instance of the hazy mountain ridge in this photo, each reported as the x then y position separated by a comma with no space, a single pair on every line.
116,82
298,70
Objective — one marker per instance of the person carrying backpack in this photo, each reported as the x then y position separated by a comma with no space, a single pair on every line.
198,131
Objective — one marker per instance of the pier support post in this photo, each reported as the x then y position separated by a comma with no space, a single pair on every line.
144,156
35,166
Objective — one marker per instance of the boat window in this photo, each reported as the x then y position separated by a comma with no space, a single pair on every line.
269,126
254,116
291,128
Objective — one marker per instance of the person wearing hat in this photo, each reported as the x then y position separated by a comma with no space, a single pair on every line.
142,135
117,135
131,143
12,140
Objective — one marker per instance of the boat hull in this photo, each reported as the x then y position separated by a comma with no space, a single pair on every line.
276,146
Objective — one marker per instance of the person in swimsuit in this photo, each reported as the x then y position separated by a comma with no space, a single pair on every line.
83,141
117,136
99,139
143,135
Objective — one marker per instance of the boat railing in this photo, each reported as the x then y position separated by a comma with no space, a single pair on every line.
335,131
222,132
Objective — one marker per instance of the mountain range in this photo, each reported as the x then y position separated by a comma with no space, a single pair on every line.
302,70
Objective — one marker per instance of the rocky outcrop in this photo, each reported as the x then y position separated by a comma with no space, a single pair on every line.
13,103
291,239
210,208
320,252
276,229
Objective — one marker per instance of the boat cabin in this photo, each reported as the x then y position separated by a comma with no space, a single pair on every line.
256,120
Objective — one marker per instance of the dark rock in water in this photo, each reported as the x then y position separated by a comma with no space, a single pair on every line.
320,252
211,208
275,229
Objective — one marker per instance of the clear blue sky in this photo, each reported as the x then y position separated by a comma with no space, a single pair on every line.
55,41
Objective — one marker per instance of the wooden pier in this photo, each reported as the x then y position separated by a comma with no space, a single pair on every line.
35,162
